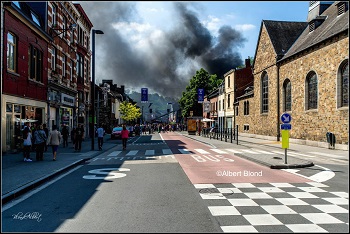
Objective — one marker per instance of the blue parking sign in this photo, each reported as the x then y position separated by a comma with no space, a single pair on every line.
144,94
200,95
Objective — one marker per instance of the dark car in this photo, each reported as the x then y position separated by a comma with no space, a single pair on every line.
116,133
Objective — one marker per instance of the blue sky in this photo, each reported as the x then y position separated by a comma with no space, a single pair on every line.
158,44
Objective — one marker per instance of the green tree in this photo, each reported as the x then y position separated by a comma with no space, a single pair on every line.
129,111
189,100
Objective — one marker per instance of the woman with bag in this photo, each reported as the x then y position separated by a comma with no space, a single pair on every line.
54,140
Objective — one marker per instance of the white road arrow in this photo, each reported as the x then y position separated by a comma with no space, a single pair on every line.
285,119
322,176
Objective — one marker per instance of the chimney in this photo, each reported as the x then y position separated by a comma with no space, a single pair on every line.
247,62
123,89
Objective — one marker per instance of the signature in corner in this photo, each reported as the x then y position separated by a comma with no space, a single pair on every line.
28,215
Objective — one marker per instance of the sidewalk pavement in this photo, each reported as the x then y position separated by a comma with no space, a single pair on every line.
19,177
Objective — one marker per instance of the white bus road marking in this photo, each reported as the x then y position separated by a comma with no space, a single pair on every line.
110,172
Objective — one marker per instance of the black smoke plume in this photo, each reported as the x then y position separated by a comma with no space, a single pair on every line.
171,62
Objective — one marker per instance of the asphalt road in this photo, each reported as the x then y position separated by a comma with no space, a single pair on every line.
170,183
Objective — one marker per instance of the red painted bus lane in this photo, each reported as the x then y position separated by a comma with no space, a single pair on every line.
223,168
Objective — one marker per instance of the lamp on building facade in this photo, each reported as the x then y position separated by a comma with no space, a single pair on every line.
71,27
93,87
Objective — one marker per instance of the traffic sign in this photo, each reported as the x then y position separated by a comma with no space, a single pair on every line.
286,118
200,95
286,126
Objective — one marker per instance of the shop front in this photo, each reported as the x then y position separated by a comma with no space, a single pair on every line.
18,112
66,112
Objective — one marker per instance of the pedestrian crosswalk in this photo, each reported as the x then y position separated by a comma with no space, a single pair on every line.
251,151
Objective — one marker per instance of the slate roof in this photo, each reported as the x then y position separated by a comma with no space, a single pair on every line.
332,25
283,33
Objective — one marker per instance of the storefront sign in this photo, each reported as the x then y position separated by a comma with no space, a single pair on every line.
67,100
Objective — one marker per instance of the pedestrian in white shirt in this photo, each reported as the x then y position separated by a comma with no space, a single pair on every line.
27,144
100,133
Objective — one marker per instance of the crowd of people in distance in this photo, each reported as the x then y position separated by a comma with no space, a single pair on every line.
37,137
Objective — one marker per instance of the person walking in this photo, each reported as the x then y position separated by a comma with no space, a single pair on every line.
46,130
78,137
39,142
65,134
125,136
27,144
100,133
54,140
72,136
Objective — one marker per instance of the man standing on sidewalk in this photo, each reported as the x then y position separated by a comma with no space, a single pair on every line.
78,137
100,133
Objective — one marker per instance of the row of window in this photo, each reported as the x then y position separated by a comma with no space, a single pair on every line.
311,90
311,93
35,61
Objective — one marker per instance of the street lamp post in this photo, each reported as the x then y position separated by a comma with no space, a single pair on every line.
93,87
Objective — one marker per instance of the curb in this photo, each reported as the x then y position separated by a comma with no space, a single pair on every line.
278,166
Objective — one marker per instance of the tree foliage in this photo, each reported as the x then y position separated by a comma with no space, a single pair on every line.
189,100
129,111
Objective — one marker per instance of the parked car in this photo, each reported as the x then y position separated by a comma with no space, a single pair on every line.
116,133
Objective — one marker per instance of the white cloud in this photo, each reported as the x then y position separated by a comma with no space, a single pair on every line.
212,24
245,27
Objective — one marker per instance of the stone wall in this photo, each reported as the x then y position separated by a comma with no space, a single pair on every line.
325,61
307,125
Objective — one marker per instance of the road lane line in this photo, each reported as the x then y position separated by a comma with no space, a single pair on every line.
329,155
262,151
233,151
249,151
219,151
